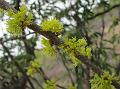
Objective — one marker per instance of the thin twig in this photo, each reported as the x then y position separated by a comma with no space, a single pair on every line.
17,65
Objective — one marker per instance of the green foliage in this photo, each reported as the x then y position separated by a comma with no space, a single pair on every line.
71,87
33,68
73,45
1,11
52,25
10,12
102,82
18,21
48,49
115,22
50,85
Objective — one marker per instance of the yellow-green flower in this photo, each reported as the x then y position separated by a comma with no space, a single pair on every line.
50,84
48,48
71,87
75,61
81,42
52,25
72,45
88,52
104,81
33,68
31,71
35,64
18,21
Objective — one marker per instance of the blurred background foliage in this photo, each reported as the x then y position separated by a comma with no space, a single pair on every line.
95,20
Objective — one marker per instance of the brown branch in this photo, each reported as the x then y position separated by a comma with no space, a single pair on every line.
5,5
104,12
69,74
37,82
17,65
88,77
94,68
66,67
89,63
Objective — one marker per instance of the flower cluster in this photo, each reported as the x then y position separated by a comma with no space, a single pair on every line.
33,68
71,87
102,82
52,25
80,45
50,85
18,20
48,48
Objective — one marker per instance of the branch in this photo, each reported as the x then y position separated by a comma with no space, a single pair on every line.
6,6
88,63
104,12
66,67
94,68
17,65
